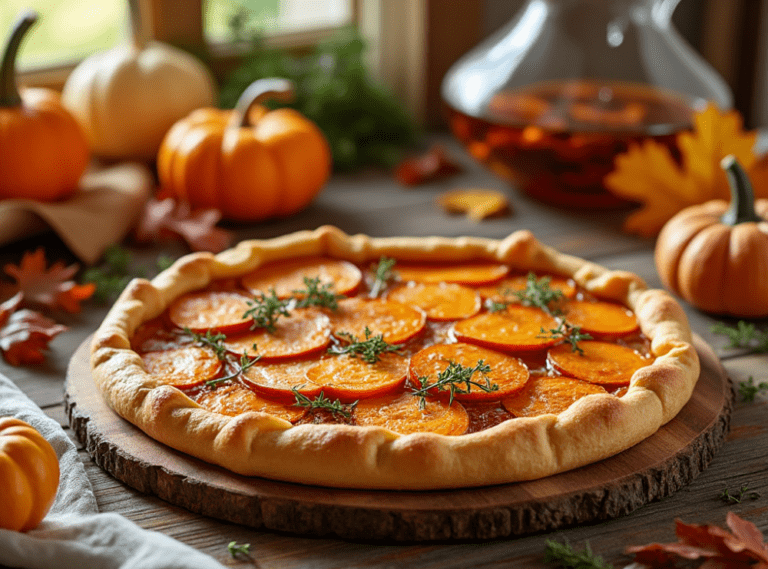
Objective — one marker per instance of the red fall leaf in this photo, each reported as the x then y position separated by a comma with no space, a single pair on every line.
741,548
435,164
48,286
24,333
169,219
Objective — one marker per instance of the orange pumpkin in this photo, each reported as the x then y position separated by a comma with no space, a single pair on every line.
715,255
29,475
250,163
43,151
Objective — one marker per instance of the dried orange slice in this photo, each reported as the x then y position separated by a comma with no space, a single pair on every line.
508,373
277,380
183,367
395,321
235,398
349,378
478,273
498,292
601,319
401,413
544,394
287,276
304,331
443,301
217,311
601,362
516,329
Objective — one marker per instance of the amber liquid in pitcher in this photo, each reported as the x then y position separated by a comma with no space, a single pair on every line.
557,141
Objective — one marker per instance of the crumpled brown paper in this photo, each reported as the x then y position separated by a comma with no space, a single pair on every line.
101,213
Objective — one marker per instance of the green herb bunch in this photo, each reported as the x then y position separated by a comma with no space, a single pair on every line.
369,350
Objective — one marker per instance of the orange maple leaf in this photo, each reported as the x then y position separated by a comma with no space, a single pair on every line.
24,333
648,173
52,286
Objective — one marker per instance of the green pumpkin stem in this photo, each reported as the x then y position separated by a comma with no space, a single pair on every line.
261,90
9,92
742,208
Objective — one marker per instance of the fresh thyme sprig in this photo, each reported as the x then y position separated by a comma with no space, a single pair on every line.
494,306
316,294
748,389
369,349
744,335
740,495
566,556
216,343
322,403
538,293
567,332
266,309
384,274
456,379
234,548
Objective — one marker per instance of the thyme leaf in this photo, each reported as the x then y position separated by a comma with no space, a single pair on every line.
266,310
234,548
384,275
744,335
538,293
748,389
213,341
369,349
566,556
568,333
738,496
322,403
316,294
216,343
455,379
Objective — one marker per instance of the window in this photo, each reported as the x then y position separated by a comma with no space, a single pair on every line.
66,31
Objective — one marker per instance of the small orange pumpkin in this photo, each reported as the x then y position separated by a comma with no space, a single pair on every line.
29,475
250,163
715,255
43,151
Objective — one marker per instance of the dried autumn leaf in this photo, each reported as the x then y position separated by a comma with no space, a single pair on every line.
169,219
52,286
476,203
25,334
737,549
650,175
433,165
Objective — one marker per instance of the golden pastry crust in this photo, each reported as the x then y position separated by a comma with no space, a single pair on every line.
257,444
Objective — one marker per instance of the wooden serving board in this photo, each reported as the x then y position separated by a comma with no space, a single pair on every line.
651,470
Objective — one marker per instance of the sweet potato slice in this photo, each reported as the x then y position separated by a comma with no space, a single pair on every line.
507,373
544,394
277,380
395,321
153,336
234,398
516,329
305,331
441,301
349,378
401,413
217,311
478,273
601,362
601,319
499,292
183,367
287,276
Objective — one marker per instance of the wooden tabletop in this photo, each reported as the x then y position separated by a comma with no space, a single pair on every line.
374,204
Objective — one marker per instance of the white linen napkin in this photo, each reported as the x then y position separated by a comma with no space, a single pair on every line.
73,534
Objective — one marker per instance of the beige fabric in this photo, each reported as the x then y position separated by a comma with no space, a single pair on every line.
100,214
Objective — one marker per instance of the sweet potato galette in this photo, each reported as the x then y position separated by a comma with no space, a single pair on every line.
399,363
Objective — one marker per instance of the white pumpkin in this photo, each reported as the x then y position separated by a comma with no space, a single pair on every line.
127,98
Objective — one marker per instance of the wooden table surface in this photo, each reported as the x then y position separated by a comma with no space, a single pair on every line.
373,203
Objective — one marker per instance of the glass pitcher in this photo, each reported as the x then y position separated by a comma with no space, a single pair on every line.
548,101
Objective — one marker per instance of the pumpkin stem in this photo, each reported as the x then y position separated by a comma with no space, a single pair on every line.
742,208
137,30
9,93
258,91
